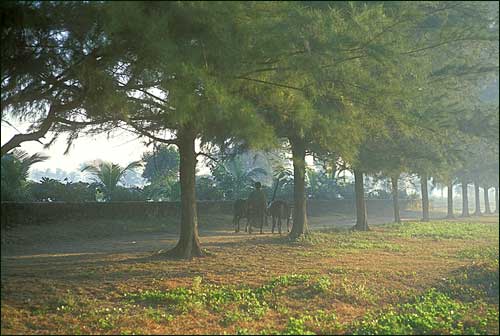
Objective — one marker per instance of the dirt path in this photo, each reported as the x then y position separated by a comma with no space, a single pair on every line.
149,242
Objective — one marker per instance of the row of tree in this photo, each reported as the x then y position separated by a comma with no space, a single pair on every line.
374,87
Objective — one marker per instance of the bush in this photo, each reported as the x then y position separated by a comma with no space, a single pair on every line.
121,194
13,178
54,190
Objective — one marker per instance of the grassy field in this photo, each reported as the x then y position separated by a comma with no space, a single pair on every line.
439,277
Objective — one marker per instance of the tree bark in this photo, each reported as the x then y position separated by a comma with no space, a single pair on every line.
18,139
496,199
450,200
361,217
395,198
465,199
299,192
477,201
189,243
487,209
425,198
44,128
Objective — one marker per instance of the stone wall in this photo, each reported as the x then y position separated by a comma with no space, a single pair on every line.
45,212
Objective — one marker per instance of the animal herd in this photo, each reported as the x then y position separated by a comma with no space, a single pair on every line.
278,210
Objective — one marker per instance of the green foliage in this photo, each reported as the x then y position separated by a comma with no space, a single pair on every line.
432,313
163,190
250,303
479,253
322,186
296,326
471,283
289,280
322,284
14,172
235,175
208,189
108,174
344,240
162,163
443,230
122,194
57,191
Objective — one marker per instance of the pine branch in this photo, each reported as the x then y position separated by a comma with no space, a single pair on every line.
271,83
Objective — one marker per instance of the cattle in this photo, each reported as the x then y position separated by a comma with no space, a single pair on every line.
256,215
279,210
240,210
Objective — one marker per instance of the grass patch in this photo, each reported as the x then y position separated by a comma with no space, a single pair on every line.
478,281
247,303
479,253
432,313
444,230
350,241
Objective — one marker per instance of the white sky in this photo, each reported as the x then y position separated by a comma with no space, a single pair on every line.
121,148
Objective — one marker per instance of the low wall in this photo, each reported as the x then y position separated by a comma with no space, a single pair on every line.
45,212
373,207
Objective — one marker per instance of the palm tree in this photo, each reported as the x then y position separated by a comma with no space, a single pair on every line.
244,169
108,174
15,171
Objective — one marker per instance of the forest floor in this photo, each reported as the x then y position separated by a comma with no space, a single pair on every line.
438,277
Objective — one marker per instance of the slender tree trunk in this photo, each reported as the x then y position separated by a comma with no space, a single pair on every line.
487,209
496,199
299,192
450,200
275,190
465,199
361,217
189,243
395,198
478,202
425,198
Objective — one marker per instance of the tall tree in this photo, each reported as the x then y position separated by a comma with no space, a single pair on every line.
465,199
477,200
172,78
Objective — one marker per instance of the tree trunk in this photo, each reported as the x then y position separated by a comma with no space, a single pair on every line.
275,190
478,202
189,243
450,200
425,198
299,194
465,199
395,198
361,218
487,209
496,199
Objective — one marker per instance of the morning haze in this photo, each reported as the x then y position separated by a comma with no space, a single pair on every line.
255,167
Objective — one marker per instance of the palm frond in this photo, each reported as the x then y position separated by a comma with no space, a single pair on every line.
133,165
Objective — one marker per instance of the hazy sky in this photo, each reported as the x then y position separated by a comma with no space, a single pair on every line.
121,148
